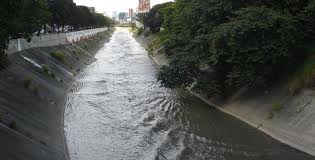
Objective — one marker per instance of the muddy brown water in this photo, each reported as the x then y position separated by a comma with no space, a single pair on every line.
116,110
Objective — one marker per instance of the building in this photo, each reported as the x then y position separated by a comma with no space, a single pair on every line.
144,6
123,16
130,13
92,9
105,14
115,16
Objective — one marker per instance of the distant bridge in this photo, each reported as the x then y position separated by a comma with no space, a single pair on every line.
126,24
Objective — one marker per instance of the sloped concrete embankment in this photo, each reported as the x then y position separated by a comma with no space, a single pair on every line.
287,118
32,99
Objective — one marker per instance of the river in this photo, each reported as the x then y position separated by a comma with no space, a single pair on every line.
116,110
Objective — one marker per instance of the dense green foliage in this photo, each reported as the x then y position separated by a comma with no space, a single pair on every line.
67,15
224,45
18,18
60,56
24,18
247,48
154,19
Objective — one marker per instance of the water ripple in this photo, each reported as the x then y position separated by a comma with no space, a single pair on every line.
116,110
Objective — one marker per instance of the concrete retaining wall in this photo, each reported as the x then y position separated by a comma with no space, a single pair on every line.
16,45
32,99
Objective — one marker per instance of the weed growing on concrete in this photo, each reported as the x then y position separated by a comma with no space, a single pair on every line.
45,69
276,106
270,115
53,75
27,82
303,77
4,61
35,90
60,56
43,143
139,31
12,125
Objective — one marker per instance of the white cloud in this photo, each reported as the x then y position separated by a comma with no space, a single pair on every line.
114,5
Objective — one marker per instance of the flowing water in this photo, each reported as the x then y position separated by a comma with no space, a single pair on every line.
116,110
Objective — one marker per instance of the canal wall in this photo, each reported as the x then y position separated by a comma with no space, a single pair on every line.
33,90
46,40
287,118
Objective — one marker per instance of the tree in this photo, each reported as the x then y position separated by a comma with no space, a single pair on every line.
239,41
308,19
154,19
23,18
252,44
20,18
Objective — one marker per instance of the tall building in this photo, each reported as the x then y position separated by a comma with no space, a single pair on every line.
130,13
123,16
144,6
115,15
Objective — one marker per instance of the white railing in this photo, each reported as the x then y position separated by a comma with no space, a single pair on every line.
16,45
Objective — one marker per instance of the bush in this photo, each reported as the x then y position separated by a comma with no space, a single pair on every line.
309,19
12,125
276,106
252,46
270,115
133,26
45,69
180,75
27,82
4,61
304,76
35,90
60,56
139,31
52,75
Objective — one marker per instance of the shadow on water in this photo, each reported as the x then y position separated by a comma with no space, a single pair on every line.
117,110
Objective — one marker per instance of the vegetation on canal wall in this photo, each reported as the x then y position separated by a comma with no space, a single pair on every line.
253,60
233,43
33,91
26,18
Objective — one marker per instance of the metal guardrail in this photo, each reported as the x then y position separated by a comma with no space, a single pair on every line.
16,45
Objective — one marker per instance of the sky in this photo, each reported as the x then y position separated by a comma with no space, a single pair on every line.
109,6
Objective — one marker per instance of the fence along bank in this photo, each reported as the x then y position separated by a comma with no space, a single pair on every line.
16,45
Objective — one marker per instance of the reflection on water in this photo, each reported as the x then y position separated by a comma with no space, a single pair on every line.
117,110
